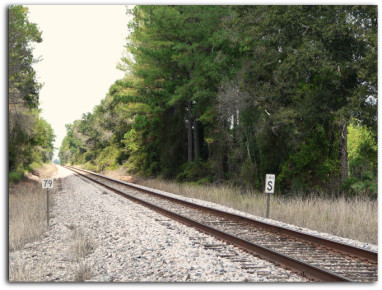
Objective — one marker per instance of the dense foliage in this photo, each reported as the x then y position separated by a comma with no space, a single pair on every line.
228,94
30,136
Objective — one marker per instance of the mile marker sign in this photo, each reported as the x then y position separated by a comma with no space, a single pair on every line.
47,183
270,183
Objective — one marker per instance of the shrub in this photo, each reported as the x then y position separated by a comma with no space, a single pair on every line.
134,163
363,162
34,166
108,158
89,166
194,171
248,173
15,176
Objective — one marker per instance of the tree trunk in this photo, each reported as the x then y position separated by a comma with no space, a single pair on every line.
234,120
344,153
196,138
189,129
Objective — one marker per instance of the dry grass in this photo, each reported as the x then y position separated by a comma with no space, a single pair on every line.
27,214
19,273
80,249
27,209
81,245
119,173
356,218
27,217
27,223
83,273
47,170
353,218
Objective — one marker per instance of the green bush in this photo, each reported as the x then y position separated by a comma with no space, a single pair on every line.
15,176
367,186
363,163
194,171
348,184
204,181
248,173
90,166
134,163
34,166
108,158
311,165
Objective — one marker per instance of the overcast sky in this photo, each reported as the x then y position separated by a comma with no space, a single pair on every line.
81,48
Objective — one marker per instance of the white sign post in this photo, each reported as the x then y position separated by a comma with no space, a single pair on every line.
270,180
47,183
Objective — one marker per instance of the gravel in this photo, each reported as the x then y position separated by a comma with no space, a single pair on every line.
363,245
125,242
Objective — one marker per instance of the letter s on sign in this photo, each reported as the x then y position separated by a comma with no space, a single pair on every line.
270,183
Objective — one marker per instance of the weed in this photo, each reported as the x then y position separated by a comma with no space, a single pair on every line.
81,245
83,273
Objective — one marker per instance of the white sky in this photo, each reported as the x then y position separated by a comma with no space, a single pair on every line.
81,47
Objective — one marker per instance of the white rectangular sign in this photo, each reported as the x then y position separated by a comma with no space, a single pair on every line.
47,183
270,181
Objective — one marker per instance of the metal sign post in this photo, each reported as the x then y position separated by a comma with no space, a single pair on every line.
270,181
47,183
47,207
268,201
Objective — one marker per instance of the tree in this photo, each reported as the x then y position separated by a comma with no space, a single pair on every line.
363,160
229,94
303,66
23,88
177,58
30,137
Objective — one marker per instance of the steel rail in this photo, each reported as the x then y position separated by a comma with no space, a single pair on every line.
302,268
319,241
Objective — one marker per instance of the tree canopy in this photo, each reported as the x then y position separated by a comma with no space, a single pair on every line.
30,136
231,93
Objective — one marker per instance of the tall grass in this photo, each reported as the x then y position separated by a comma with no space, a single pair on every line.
27,214
81,247
27,217
28,222
355,218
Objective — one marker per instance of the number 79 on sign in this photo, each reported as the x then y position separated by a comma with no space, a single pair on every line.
47,183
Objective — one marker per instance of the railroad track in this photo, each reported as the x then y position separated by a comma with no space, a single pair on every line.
315,258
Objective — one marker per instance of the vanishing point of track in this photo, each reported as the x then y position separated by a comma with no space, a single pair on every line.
315,258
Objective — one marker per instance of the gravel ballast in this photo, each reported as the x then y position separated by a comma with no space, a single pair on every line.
355,243
98,236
